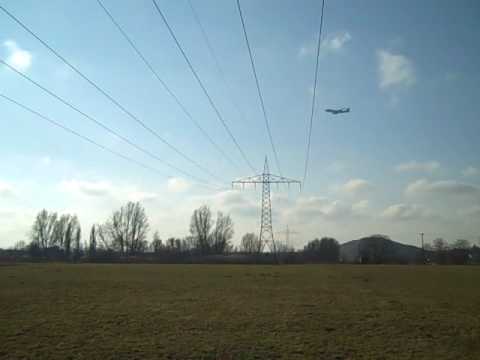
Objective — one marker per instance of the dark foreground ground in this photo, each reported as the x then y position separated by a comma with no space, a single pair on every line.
55,311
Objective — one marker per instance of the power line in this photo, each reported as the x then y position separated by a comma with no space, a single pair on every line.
99,123
215,58
307,156
107,95
71,131
210,100
267,124
162,82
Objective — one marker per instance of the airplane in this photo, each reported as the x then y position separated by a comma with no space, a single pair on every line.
338,111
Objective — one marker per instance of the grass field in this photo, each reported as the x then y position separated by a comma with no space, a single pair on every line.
57,311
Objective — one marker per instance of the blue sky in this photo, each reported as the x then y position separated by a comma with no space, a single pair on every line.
405,160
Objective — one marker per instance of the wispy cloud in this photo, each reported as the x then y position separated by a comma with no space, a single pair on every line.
428,166
177,185
403,212
394,70
355,186
309,209
17,57
445,187
336,41
106,189
90,188
231,201
142,196
332,43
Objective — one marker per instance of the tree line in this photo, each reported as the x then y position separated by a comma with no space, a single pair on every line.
124,235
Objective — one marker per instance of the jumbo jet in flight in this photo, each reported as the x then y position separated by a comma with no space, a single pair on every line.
338,111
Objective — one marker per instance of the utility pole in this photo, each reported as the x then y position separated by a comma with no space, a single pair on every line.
423,247
266,228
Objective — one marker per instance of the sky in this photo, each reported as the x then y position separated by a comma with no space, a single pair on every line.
405,160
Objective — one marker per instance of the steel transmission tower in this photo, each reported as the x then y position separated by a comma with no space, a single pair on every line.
422,234
287,233
266,229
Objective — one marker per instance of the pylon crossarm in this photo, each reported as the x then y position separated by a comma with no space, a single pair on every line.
257,178
282,179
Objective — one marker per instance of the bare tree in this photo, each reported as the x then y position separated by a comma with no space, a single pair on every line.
251,244
104,237
20,245
42,229
72,228
440,244
126,231
222,234
428,247
462,244
200,227
60,230
92,246
77,237
441,247
157,244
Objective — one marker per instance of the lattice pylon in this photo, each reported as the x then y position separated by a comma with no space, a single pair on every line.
266,229
265,179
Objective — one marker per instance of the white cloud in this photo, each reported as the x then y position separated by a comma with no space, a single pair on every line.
106,189
355,186
90,188
231,201
6,190
336,41
361,207
394,70
470,171
309,210
177,185
429,166
336,210
445,187
141,196
332,43
17,57
405,212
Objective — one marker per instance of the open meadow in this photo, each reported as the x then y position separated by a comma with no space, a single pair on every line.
88,311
